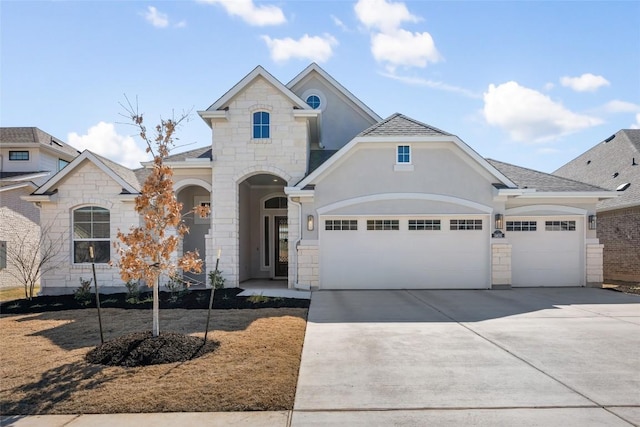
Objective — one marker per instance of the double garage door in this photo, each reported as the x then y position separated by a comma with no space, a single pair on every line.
546,251
450,252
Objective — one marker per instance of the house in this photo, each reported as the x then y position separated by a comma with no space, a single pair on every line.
614,164
28,157
309,185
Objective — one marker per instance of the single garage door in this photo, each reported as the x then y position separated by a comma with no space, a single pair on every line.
404,252
546,251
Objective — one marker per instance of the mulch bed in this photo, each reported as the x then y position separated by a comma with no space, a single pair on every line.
142,349
193,299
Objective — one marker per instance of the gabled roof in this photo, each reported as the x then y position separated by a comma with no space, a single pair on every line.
32,135
401,125
531,179
223,101
610,164
197,153
399,128
120,174
315,68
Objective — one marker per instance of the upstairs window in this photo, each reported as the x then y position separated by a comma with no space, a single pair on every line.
261,121
91,225
313,101
403,154
19,155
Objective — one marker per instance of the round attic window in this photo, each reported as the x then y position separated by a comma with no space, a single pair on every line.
313,101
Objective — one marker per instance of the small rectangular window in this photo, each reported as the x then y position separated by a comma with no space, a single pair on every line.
383,224
403,154
19,155
522,225
424,224
3,254
341,224
560,225
465,224
261,123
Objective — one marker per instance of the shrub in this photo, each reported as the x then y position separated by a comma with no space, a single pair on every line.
133,291
83,293
258,299
216,280
177,287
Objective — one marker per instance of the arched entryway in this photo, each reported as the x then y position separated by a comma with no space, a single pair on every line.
263,228
191,196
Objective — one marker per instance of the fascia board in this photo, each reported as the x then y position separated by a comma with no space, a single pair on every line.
570,194
18,185
26,177
315,67
306,113
296,192
40,198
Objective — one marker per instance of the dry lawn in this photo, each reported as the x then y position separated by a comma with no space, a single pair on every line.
43,371
8,294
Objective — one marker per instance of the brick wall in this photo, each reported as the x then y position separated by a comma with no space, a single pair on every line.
619,231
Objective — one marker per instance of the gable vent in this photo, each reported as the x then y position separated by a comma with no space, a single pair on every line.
623,187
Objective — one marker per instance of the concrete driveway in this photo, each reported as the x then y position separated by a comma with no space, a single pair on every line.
526,357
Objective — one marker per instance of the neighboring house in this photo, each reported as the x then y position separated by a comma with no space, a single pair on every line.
614,164
28,157
309,185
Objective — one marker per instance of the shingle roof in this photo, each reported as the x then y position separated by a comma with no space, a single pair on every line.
30,135
401,125
197,153
123,172
610,164
529,178
318,157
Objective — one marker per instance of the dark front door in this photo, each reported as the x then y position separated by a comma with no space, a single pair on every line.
282,246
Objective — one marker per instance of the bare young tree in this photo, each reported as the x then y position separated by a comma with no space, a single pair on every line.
147,252
34,255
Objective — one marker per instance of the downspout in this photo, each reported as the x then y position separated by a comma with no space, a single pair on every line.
297,242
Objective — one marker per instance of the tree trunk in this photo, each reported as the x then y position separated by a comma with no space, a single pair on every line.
156,308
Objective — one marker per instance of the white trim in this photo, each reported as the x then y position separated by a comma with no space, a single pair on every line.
405,196
329,164
410,162
179,185
333,82
569,194
315,92
25,177
528,210
19,185
89,156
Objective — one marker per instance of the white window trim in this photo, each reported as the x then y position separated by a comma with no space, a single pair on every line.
323,99
403,166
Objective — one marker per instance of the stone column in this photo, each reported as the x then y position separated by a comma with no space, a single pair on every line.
594,264
500,265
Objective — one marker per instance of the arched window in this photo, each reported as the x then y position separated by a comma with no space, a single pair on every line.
261,125
276,203
91,228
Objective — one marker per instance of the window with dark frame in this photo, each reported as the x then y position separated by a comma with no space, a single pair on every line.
276,203
403,154
560,225
261,121
522,225
465,224
424,224
383,224
91,227
341,224
19,155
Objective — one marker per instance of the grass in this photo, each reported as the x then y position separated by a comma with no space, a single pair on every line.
8,294
255,368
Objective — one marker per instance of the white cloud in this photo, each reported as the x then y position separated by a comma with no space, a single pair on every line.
316,48
617,106
433,84
103,139
549,86
338,23
382,15
528,115
258,16
156,18
404,48
636,125
585,83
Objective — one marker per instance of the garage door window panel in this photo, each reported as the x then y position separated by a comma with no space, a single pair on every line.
341,225
560,225
522,225
424,224
383,224
465,224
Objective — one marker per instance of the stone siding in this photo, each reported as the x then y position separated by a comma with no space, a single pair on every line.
594,265
308,265
500,264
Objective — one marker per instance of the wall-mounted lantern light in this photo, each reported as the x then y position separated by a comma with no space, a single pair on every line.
310,222
593,222
499,221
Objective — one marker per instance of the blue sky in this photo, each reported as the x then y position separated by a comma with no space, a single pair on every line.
530,83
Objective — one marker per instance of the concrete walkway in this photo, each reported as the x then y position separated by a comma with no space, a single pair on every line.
529,357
